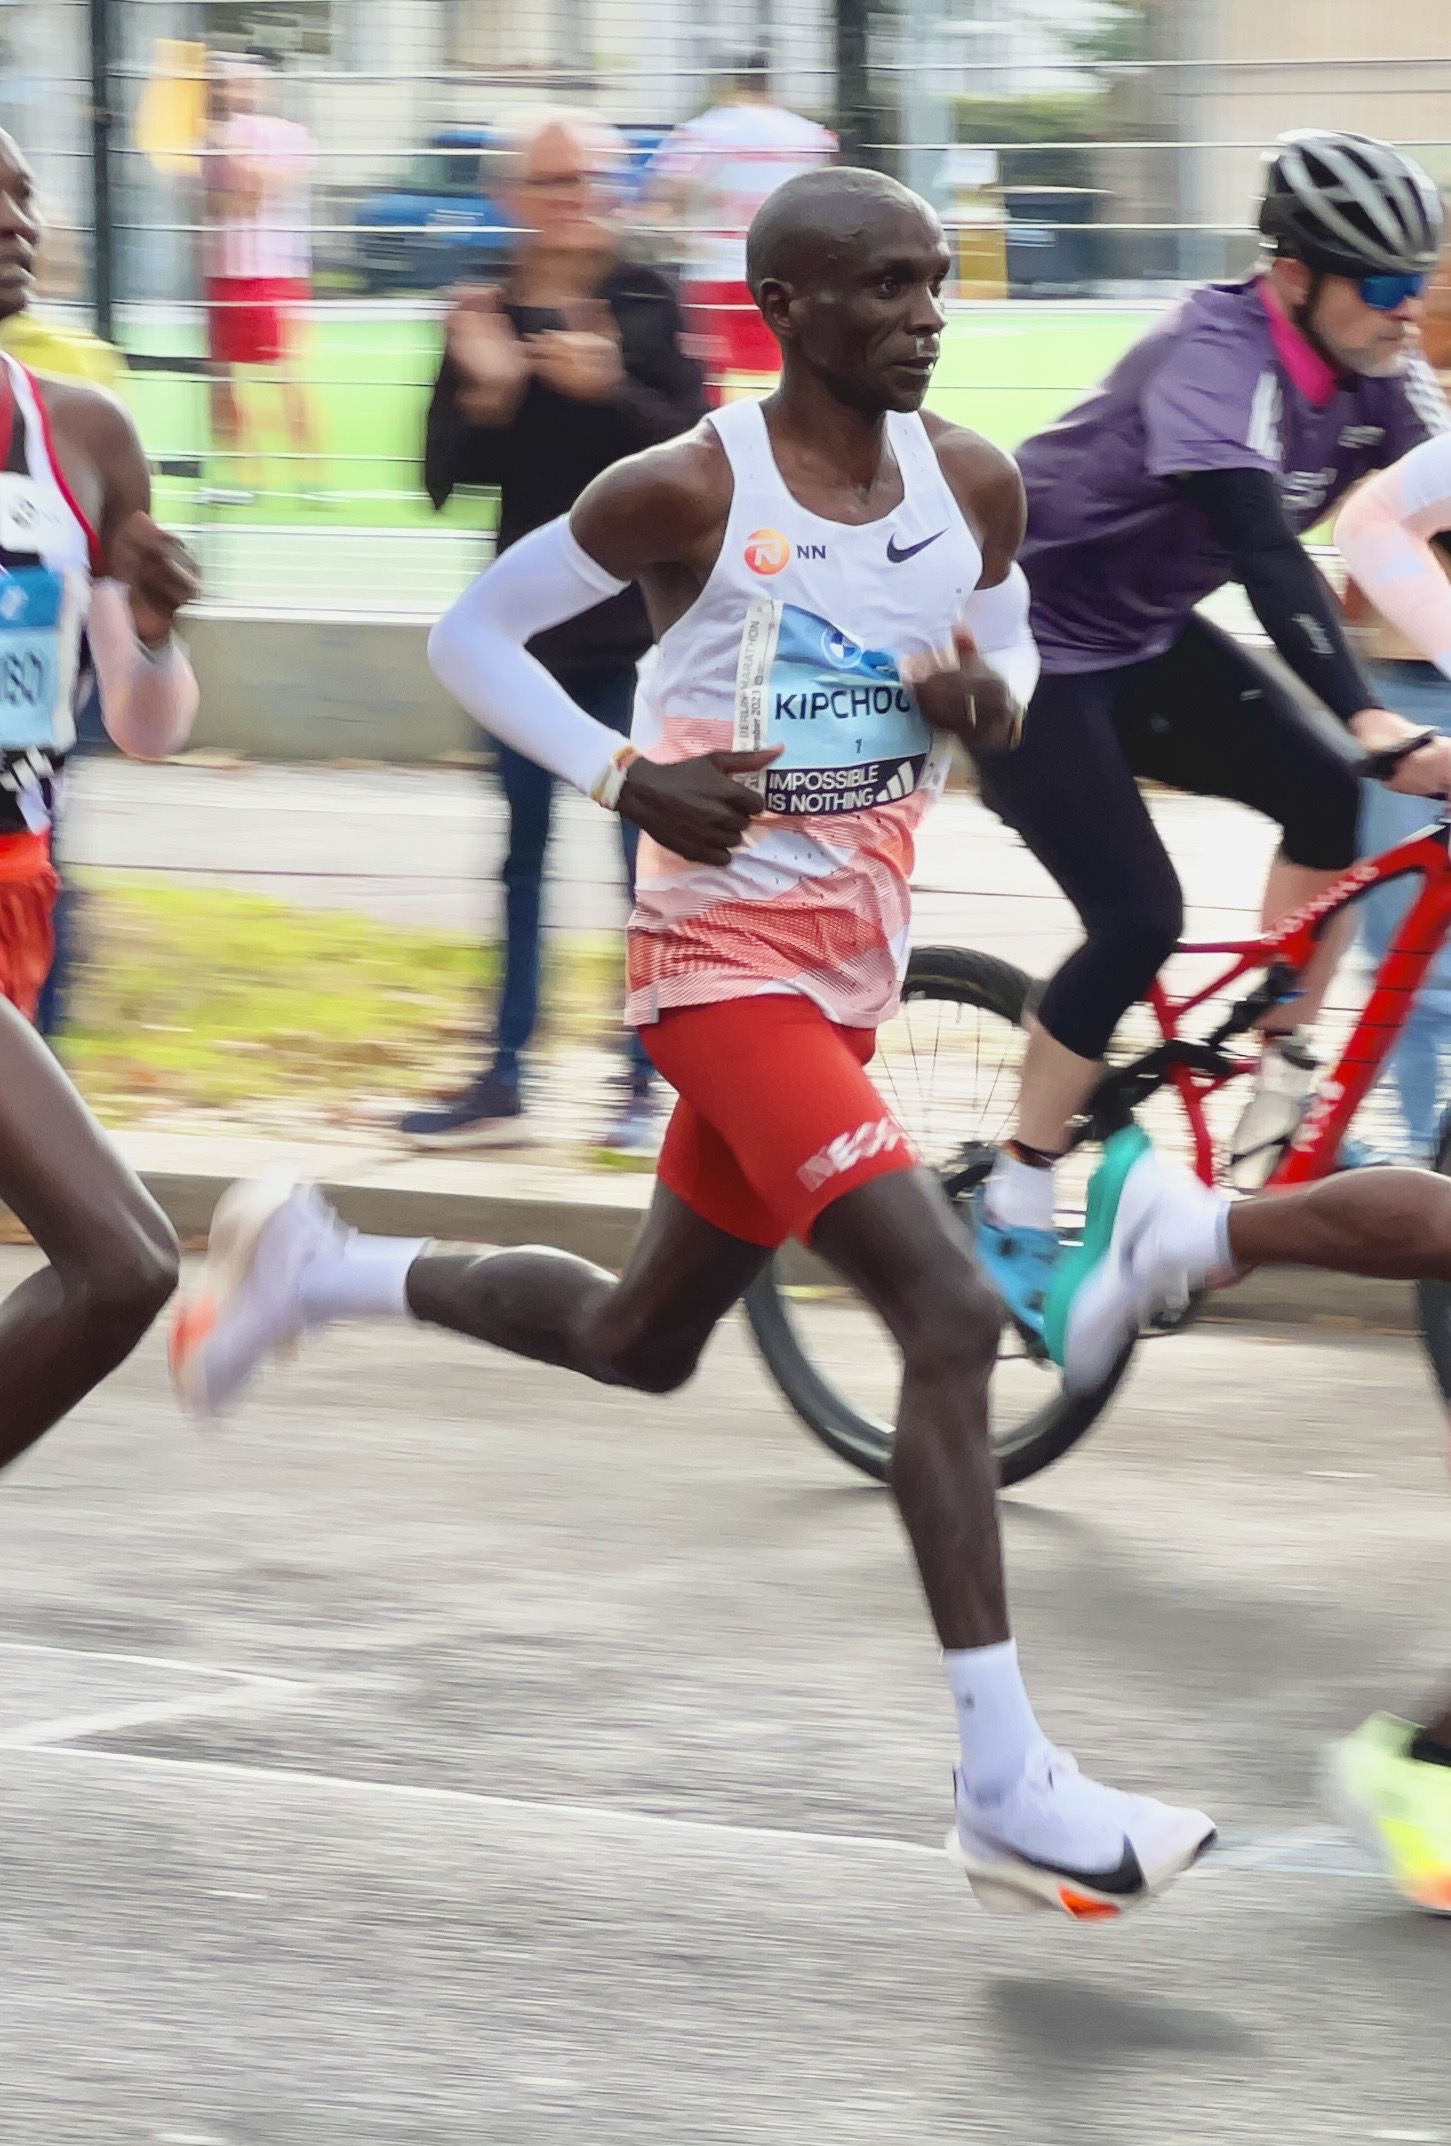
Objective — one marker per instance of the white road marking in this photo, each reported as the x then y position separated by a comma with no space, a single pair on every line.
242,1687
281,1777
1306,1851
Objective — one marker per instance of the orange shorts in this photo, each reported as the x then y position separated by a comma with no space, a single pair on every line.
28,888
776,1117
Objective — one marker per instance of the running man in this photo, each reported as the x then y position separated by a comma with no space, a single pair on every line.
1217,440
830,575
82,567
1155,1233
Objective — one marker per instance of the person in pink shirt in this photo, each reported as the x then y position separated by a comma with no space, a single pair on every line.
713,173
256,172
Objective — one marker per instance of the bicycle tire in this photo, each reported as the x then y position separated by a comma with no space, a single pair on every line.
959,976
1433,1299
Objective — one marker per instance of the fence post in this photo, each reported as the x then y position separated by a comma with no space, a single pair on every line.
103,226
855,115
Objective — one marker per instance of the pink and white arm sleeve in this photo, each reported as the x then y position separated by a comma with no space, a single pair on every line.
1382,532
477,650
148,702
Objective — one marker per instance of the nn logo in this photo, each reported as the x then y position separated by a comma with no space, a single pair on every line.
766,551
811,551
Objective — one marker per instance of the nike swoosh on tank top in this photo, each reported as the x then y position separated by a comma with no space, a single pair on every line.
797,640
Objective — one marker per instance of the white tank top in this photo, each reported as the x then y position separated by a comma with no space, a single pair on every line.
47,551
796,639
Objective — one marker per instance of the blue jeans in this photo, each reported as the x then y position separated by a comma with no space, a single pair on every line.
1418,1063
608,695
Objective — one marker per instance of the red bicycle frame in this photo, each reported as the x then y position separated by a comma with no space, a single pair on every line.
1314,1150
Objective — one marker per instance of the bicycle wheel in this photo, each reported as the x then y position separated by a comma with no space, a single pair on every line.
949,1067
1433,1299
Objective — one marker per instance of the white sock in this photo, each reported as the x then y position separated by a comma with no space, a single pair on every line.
1195,1231
359,1278
995,1718
1018,1196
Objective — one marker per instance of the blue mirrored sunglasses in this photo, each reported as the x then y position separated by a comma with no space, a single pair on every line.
1385,293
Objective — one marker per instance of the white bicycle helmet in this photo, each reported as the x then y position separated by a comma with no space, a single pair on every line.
1350,206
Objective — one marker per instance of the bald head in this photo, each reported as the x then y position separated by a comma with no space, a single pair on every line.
560,139
818,222
848,269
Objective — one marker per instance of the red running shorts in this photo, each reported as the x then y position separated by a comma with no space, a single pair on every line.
28,888
776,1117
250,318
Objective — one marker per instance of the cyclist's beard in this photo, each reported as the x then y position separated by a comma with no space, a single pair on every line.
1349,366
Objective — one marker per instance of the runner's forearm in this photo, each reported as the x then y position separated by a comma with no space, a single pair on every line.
148,698
997,619
477,651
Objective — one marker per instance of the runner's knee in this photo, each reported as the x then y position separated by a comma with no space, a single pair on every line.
955,1325
629,1353
129,1271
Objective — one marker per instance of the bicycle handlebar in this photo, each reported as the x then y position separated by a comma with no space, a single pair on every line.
1377,767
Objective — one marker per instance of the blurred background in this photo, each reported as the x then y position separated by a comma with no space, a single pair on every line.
1089,157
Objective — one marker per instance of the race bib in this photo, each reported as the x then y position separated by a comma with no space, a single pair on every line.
40,621
852,734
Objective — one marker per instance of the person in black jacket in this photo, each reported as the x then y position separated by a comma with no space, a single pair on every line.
574,363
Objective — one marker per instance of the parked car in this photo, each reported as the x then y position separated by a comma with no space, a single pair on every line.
440,221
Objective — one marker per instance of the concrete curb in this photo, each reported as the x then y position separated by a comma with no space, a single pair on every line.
604,1232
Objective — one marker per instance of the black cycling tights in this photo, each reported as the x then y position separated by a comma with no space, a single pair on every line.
1204,717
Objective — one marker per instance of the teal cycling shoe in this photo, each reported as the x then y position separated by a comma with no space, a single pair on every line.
1020,1263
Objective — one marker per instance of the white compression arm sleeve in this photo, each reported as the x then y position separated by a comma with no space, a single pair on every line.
1382,532
997,619
477,651
147,701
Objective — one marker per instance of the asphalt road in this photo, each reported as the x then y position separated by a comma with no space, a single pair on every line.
450,1752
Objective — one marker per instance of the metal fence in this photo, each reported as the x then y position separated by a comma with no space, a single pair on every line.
1088,157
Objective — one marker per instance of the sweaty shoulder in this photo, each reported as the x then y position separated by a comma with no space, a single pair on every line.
986,483
657,508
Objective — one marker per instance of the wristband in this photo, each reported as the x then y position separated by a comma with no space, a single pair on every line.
607,790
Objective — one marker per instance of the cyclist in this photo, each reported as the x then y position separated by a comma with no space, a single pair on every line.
78,548
767,944
1227,430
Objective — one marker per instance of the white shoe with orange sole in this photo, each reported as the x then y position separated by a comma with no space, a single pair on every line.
1059,1842
247,1303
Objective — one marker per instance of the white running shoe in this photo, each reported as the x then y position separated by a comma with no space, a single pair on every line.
1153,1235
247,1304
1060,1843
1283,1085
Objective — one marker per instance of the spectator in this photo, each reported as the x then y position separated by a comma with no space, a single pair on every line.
1421,1062
574,363
711,175
256,169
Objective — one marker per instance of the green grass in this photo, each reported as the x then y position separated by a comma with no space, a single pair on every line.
199,998
1005,370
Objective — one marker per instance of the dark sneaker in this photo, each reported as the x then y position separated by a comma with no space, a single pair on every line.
487,1115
